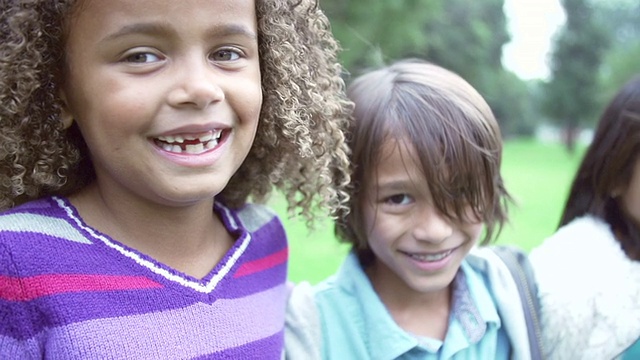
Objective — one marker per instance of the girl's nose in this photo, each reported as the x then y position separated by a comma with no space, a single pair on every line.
432,226
197,85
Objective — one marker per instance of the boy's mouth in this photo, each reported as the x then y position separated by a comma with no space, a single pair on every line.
189,143
430,257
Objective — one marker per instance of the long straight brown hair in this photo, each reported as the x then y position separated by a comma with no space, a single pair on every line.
607,167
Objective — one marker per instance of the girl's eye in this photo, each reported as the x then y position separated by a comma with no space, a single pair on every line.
400,199
142,58
225,55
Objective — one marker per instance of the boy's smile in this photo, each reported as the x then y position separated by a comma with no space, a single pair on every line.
418,250
168,105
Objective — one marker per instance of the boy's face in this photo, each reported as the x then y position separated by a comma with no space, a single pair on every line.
418,250
167,94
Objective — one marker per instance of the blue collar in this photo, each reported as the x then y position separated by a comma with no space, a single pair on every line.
385,339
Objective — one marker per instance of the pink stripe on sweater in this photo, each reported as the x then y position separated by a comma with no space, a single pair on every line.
263,263
29,288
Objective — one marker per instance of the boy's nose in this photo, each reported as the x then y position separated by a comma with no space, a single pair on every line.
432,226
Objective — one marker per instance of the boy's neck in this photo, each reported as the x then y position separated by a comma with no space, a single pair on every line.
421,314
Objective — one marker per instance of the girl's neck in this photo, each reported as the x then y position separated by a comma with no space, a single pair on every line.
191,239
419,313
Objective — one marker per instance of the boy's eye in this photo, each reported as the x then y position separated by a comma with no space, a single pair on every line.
400,199
225,55
142,58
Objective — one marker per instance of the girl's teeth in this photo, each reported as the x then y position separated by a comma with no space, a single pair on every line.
194,148
211,144
176,143
204,137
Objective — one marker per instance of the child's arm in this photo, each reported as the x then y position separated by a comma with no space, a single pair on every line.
303,336
18,328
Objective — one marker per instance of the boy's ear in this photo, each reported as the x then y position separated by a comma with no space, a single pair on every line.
66,115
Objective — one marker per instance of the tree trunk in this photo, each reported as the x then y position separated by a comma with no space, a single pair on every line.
571,132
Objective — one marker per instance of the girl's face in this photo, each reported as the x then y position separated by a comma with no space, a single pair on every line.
630,197
418,250
167,94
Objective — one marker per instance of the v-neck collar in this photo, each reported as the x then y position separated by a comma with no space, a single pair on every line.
160,271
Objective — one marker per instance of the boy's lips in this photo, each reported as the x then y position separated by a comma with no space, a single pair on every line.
429,257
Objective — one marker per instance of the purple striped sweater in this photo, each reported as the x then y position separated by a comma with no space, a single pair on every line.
68,291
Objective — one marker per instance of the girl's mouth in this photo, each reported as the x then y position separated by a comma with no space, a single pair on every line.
192,144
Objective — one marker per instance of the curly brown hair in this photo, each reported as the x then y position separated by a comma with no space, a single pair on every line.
299,148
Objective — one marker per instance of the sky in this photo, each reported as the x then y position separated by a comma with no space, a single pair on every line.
532,24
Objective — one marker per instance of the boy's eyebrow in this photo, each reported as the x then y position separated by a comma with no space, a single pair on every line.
394,184
165,29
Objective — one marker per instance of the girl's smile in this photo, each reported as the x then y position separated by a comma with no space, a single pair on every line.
183,93
193,144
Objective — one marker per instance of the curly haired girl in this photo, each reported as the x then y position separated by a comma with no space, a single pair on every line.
133,136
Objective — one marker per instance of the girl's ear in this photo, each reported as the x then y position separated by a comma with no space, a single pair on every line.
66,115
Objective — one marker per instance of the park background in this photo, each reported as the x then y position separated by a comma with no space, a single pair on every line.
547,94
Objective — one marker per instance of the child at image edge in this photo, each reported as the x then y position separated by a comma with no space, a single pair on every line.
426,151
133,134
590,295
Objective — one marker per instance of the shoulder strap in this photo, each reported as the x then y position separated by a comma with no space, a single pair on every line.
518,264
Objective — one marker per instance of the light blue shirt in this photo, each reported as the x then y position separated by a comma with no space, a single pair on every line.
356,324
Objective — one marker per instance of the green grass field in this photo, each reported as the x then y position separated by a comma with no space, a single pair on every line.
537,175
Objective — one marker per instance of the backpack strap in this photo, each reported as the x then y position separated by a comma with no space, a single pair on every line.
520,268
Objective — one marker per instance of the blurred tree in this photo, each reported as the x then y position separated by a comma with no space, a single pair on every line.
373,33
570,98
464,36
621,63
513,103
468,38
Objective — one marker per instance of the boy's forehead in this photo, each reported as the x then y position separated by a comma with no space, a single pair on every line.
397,148
397,156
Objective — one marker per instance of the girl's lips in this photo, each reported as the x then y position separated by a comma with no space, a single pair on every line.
193,153
190,144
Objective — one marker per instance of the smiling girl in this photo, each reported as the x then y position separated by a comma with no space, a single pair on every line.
133,134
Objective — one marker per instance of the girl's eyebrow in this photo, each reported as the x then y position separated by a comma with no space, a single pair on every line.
166,29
